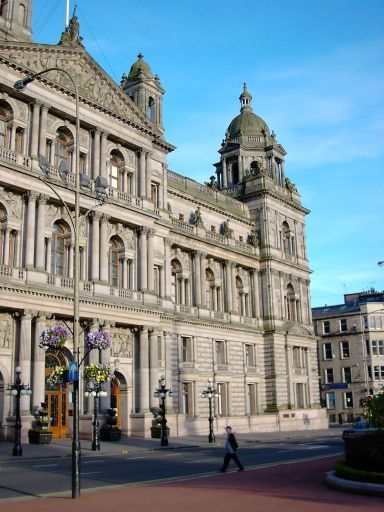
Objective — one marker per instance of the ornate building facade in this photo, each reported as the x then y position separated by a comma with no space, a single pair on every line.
190,280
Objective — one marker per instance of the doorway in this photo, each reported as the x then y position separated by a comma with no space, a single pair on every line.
56,397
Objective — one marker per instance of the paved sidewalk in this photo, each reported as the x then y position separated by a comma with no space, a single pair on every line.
294,487
63,447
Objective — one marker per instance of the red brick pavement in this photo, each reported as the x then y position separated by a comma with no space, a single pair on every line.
296,487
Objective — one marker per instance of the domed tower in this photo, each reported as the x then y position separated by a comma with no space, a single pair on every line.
145,90
15,20
249,149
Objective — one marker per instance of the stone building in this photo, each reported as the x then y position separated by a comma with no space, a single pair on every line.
190,280
351,353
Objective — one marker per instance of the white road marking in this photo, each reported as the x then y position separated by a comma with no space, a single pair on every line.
284,451
92,461
44,465
134,458
91,473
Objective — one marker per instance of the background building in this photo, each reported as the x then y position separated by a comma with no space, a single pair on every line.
190,280
351,353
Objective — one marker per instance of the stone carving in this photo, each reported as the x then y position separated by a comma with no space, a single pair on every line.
121,345
212,183
13,203
253,238
197,219
289,185
6,332
226,230
71,35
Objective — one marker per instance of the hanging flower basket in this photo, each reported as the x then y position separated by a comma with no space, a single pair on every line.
98,339
58,376
98,373
53,337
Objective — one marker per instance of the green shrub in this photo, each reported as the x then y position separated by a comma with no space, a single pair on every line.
342,470
366,452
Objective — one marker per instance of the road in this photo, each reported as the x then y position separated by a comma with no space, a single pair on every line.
43,476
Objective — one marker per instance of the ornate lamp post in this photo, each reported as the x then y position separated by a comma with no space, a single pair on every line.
210,392
18,389
162,392
95,390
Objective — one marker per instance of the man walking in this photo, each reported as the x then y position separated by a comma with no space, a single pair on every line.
230,451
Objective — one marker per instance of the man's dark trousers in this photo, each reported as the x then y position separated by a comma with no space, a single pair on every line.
228,457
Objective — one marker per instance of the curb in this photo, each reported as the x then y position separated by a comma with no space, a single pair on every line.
352,485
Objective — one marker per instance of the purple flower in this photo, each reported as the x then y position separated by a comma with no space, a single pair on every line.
98,339
53,337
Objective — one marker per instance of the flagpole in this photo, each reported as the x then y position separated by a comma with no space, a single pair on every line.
67,14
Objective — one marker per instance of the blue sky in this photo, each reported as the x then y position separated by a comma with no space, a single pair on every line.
315,69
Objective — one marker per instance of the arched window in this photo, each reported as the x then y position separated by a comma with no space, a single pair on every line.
59,256
116,247
5,116
291,304
63,141
22,15
234,174
151,109
239,294
116,163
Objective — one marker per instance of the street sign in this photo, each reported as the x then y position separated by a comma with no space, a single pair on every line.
73,371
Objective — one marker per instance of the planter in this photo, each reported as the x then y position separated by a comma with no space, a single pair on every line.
39,437
110,434
156,432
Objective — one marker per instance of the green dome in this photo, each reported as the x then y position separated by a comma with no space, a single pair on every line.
140,66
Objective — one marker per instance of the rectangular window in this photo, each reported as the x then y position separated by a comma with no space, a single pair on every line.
222,399
380,347
329,375
375,348
155,194
381,372
299,357
343,325
250,356
327,351
187,404
344,349
186,349
369,369
376,372
221,352
156,277
326,327
348,399
367,348
251,399
331,400
346,374
300,397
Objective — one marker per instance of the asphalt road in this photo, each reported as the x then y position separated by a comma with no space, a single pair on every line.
45,476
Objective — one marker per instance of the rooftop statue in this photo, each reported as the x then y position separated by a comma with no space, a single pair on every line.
71,35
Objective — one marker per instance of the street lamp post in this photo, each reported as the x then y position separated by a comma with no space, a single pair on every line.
210,392
96,392
18,389
20,85
162,392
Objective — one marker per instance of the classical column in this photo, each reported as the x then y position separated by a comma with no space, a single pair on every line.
197,277
25,357
38,383
104,247
182,290
70,260
43,130
30,231
235,304
167,268
150,263
142,174
96,153
153,366
143,261
35,128
49,252
95,216
225,177
255,294
103,157
40,229
162,281
144,371
5,258
228,282
148,175
203,281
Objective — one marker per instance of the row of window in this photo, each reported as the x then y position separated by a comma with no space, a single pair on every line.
370,322
343,348
188,352
347,400
375,372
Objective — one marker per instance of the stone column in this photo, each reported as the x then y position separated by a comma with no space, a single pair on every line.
43,130
104,248
255,295
167,268
40,229
197,277
49,251
12,142
182,290
162,281
228,282
225,177
164,198
154,366
95,216
150,251
25,357
143,260
203,281
96,153
105,358
148,173
35,128
5,258
103,157
144,371
38,383
142,173
235,304
30,231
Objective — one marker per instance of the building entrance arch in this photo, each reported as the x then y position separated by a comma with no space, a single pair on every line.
56,397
